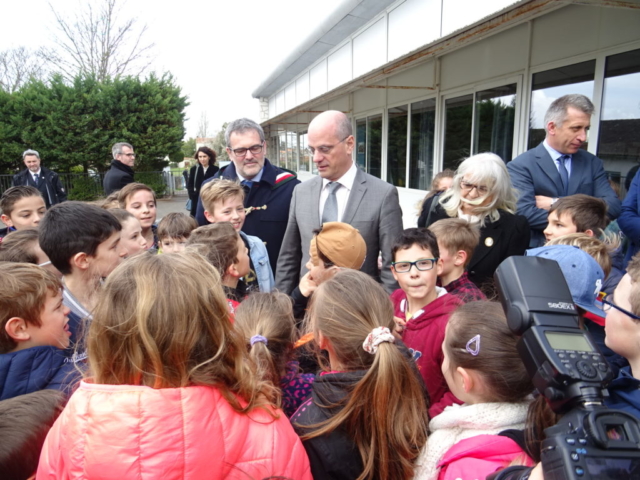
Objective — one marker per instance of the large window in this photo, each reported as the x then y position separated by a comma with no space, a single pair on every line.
397,146
457,138
619,135
282,161
369,144
423,119
494,121
305,154
552,84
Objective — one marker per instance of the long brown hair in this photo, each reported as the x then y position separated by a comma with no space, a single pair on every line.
141,335
386,413
269,315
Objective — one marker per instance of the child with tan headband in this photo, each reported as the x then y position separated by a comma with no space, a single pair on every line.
367,417
483,369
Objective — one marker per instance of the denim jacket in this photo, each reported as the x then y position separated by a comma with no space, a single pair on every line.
260,260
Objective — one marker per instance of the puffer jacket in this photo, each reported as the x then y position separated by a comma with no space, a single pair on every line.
135,432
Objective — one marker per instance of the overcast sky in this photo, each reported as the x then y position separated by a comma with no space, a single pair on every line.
218,51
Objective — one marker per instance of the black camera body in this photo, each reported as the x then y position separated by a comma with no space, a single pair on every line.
591,441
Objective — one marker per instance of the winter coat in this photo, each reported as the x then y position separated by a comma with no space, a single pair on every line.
459,422
128,432
197,175
36,368
118,176
423,336
624,393
49,185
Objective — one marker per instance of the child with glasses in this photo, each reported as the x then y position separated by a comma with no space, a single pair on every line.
622,330
422,309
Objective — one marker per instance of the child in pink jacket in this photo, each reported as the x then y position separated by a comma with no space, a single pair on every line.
483,369
172,393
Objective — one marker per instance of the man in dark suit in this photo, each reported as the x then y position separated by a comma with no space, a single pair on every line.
267,188
45,180
558,167
340,193
121,171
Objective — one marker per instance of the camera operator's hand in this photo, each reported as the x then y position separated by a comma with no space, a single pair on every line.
536,473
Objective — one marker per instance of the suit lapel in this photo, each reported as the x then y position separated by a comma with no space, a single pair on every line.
548,166
314,199
489,239
355,197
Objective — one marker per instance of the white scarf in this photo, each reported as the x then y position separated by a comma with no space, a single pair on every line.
458,422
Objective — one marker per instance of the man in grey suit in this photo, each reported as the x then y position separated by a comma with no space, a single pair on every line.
558,167
341,193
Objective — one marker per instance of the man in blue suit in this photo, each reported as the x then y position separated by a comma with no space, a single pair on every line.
558,167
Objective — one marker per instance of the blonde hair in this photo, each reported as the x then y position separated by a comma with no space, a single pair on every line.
456,234
633,269
485,169
269,315
598,249
385,413
142,336
219,190
24,288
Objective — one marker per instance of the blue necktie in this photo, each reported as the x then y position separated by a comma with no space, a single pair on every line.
564,174
247,184
330,211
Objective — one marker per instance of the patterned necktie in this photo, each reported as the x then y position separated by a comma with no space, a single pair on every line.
564,174
35,178
330,211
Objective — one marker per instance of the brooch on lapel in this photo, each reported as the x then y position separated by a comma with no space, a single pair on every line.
488,242
248,210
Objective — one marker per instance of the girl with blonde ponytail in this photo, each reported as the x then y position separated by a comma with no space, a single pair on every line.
367,417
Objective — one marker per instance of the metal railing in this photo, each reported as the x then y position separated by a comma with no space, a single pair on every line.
88,186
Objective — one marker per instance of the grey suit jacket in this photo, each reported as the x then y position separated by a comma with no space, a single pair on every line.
535,173
373,208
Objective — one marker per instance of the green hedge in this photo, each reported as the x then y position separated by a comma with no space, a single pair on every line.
153,180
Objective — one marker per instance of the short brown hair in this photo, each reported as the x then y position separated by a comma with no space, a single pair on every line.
24,290
456,234
130,189
13,194
219,191
218,243
586,212
176,225
591,245
20,246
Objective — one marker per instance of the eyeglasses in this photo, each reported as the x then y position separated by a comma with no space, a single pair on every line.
607,303
241,152
422,265
482,190
326,149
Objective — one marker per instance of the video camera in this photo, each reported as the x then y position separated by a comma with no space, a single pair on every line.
590,441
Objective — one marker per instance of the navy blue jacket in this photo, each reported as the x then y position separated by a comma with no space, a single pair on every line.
36,368
273,191
624,393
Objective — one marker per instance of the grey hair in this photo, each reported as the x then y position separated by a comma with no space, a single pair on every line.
557,112
241,125
489,170
30,152
117,148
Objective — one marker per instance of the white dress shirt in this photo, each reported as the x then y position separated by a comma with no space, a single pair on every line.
342,193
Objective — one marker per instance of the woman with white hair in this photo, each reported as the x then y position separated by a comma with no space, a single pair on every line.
482,194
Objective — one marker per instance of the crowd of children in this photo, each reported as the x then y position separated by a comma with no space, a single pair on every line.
163,350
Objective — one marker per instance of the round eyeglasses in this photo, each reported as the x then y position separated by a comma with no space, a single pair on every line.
467,187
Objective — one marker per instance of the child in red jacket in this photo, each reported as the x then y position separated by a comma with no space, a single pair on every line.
422,309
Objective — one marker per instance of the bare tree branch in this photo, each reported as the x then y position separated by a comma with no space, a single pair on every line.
95,42
18,66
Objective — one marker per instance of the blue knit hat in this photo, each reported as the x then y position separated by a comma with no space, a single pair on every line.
582,273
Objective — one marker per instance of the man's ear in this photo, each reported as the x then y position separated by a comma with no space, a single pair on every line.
209,217
81,261
551,128
6,220
461,258
350,143
17,330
